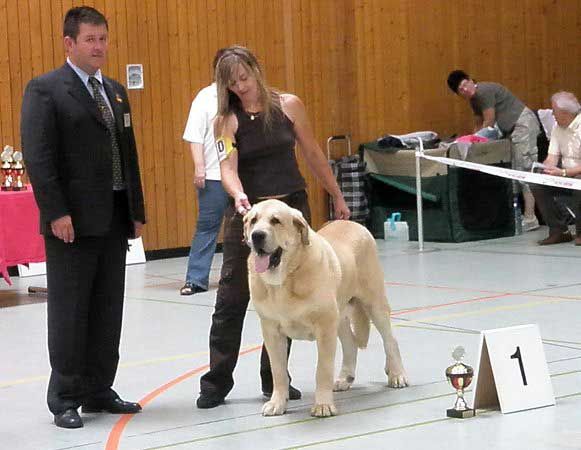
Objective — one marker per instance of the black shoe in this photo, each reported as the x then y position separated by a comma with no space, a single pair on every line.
293,393
189,289
68,419
113,406
207,401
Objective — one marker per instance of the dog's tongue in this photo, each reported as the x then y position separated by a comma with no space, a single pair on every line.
261,263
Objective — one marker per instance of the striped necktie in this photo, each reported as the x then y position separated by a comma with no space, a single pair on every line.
110,122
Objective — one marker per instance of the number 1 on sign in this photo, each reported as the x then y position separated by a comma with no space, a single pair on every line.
518,356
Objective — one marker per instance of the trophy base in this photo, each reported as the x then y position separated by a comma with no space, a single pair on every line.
6,188
19,188
460,414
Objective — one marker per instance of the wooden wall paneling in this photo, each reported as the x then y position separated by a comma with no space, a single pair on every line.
289,49
297,38
315,105
429,59
309,95
6,110
565,53
167,138
14,57
46,34
141,28
212,23
113,67
23,17
348,76
535,60
381,72
36,38
121,35
194,29
369,67
279,61
56,20
358,63
511,55
173,136
157,143
181,104
360,66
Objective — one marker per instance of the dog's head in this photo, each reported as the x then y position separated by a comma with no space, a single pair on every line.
273,231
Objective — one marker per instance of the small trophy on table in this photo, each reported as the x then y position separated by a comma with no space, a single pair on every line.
6,168
460,376
18,171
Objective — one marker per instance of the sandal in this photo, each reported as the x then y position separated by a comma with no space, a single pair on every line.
189,289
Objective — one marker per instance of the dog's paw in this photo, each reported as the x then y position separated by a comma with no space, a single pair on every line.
323,410
397,380
343,384
273,408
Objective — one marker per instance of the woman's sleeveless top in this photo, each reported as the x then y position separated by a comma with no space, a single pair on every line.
267,163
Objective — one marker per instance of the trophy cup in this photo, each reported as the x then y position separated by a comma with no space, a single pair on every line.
18,171
6,168
460,376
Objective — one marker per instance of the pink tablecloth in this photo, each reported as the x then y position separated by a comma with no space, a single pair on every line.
20,239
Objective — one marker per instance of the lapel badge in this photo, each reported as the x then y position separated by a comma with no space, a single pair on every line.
118,98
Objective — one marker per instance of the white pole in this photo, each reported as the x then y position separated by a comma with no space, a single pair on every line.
419,154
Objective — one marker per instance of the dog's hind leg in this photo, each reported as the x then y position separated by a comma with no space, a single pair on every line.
276,344
349,349
393,365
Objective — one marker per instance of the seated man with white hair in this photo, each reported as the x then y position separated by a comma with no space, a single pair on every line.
564,148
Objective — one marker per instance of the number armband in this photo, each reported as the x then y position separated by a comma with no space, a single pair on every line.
225,147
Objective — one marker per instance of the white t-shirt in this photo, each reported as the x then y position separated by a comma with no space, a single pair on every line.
566,143
200,128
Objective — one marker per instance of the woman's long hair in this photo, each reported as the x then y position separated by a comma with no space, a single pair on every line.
269,98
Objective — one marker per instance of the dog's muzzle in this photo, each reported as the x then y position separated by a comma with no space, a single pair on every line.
263,259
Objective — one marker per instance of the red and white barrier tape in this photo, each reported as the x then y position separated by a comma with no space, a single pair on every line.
527,177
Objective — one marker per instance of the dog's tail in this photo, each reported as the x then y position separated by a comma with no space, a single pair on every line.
360,324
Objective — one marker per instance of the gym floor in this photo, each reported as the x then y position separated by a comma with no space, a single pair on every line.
441,298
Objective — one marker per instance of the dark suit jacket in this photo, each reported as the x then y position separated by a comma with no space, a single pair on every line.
67,152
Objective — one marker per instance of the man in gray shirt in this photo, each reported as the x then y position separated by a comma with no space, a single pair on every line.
493,104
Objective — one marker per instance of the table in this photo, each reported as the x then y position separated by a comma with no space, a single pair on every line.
20,238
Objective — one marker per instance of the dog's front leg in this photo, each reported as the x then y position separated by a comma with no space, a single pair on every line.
326,347
276,345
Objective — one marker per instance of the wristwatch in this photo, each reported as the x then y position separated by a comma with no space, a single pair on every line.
564,172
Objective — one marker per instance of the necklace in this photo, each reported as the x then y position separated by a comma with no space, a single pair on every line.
252,115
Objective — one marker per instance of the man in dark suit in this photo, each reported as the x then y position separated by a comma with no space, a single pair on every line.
81,157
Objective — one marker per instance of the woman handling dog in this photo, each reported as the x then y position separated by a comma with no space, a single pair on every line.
256,131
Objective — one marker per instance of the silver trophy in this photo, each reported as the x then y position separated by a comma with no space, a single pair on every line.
460,376
18,172
6,168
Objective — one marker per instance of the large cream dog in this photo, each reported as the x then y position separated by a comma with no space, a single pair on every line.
316,286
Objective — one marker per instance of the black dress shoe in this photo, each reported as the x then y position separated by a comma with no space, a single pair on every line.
293,393
68,419
113,406
207,401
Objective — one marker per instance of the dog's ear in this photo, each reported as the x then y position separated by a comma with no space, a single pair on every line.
246,221
302,226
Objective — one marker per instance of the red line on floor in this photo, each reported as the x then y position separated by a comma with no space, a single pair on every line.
119,427
442,305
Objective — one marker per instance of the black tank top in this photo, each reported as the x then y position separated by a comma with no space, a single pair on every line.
267,164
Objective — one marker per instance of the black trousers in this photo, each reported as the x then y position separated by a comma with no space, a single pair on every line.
554,216
231,304
86,281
